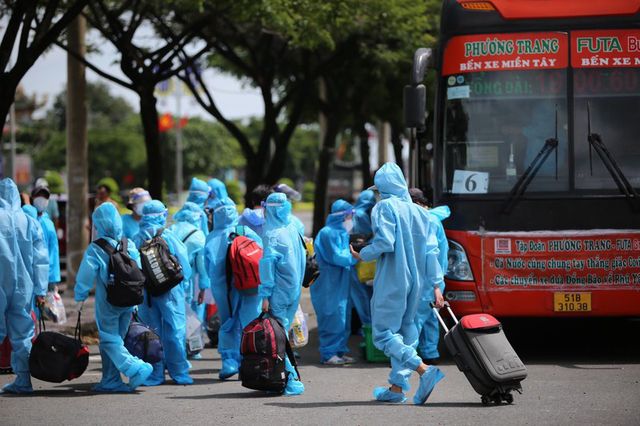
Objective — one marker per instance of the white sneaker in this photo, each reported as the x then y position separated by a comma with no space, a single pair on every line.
348,359
334,360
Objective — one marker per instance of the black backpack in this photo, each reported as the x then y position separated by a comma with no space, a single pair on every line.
55,357
264,348
128,283
311,270
162,269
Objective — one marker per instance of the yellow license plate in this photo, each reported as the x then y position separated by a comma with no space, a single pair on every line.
571,302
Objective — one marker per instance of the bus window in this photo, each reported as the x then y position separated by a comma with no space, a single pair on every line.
497,122
613,97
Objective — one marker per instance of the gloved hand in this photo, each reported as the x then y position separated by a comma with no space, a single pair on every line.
265,305
201,297
79,305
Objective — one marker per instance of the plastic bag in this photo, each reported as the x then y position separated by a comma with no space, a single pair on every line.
299,333
54,308
366,271
195,341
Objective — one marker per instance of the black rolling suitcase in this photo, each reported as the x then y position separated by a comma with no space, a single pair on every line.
483,353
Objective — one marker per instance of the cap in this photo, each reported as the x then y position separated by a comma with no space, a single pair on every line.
40,190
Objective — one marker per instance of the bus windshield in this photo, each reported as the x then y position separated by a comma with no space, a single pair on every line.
514,100
496,123
611,97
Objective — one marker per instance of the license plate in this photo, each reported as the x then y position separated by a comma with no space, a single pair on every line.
571,302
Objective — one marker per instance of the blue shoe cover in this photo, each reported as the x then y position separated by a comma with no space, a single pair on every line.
104,388
229,368
17,389
294,387
183,379
428,382
383,394
196,356
141,376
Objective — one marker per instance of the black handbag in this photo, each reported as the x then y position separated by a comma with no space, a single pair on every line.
55,357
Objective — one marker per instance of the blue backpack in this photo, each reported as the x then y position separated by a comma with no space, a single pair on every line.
142,342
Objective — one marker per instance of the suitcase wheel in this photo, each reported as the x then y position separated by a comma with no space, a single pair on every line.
497,399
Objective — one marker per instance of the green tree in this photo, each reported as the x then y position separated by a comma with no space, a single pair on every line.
38,24
145,61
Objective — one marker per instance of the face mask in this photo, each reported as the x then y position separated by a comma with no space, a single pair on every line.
348,225
137,209
40,203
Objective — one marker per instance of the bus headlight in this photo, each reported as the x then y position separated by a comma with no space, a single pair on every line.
459,268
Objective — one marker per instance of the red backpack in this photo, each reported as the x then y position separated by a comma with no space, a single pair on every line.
243,259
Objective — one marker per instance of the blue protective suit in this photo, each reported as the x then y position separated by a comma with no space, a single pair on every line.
362,215
330,292
24,269
406,250
112,321
428,325
360,294
130,226
217,191
186,229
237,309
167,312
254,219
282,266
51,240
198,194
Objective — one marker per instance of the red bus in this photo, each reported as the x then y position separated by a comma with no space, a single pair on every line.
534,144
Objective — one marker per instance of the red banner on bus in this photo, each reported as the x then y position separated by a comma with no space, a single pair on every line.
502,52
557,261
605,49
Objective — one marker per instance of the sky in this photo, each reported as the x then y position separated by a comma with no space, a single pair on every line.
48,77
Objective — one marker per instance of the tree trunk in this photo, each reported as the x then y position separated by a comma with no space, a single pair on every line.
77,152
365,165
396,141
149,117
322,175
7,96
254,175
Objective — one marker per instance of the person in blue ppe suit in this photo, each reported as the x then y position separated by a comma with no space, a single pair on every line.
428,325
406,251
24,269
362,216
186,229
330,292
253,214
281,272
292,196
112,321
360,294
238,309
131,222
40,199
217,191
199,194
166,313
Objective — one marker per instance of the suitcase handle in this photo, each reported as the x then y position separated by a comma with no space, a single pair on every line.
437,312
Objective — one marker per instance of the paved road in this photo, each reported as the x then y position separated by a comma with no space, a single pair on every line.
580,372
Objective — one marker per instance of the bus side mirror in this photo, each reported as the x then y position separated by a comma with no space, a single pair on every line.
415,105
415,94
